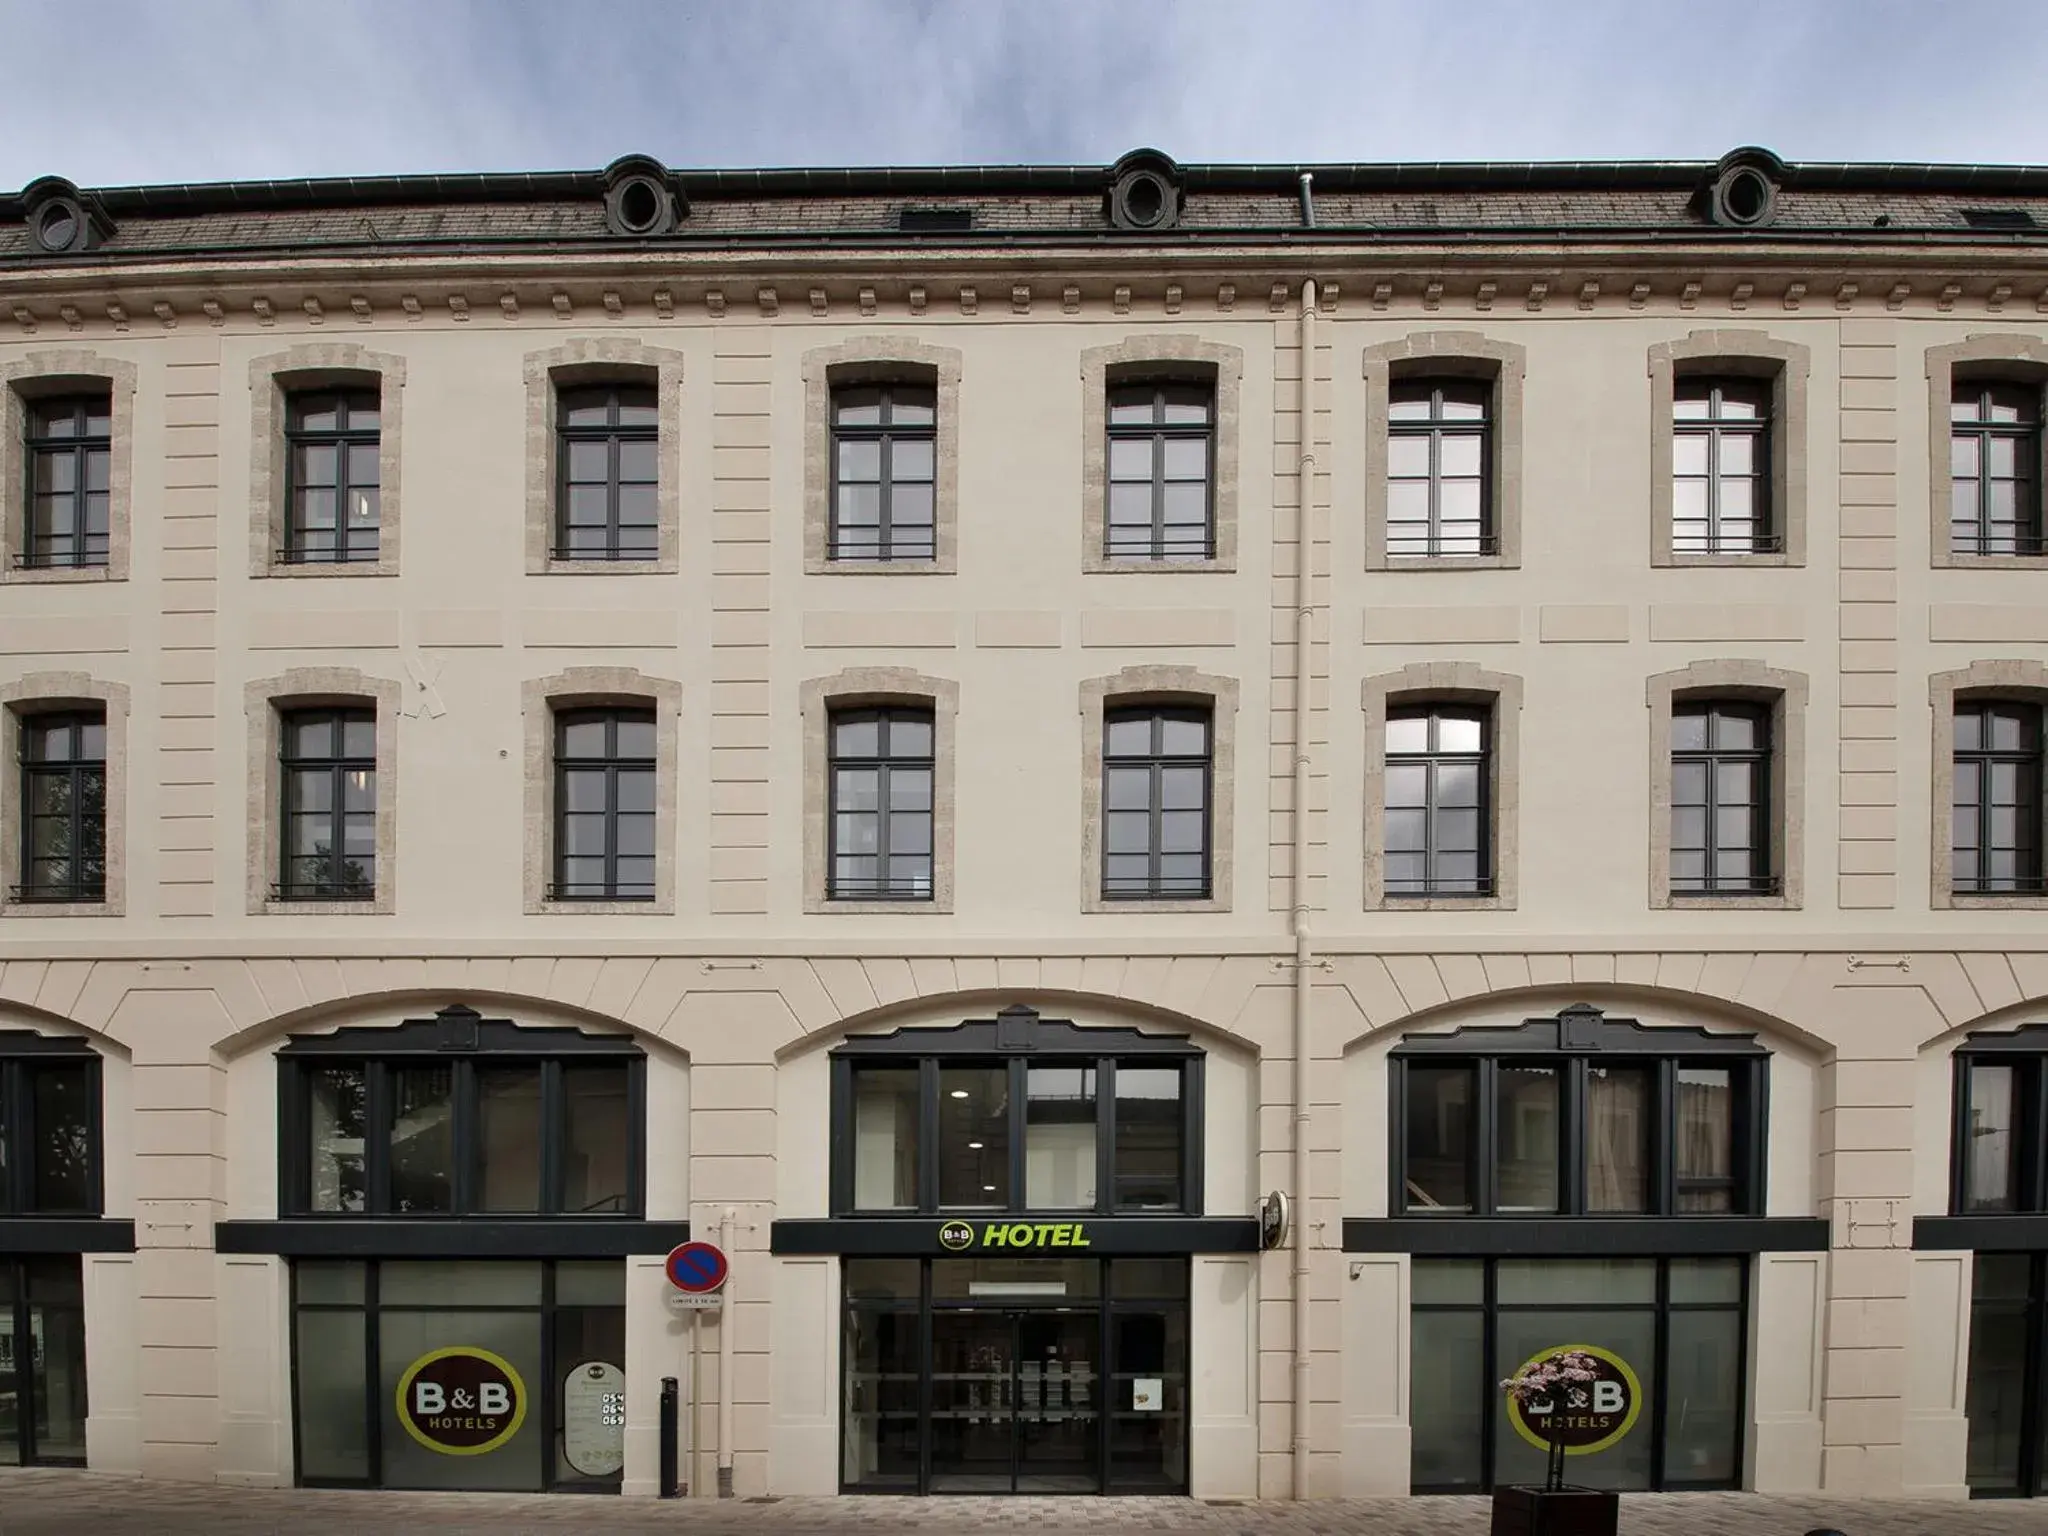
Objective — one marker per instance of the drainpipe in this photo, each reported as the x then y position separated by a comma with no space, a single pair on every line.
1308,200
726,1322
1304,635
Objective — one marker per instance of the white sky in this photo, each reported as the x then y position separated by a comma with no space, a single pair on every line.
121,91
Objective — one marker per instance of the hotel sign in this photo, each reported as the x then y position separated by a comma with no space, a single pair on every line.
462,1401
1586,1417
1010,1236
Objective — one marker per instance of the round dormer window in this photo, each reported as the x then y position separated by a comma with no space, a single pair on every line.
639,205
1744,197
60,226
1144,199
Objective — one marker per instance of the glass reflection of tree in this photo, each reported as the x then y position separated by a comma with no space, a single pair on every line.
63,1134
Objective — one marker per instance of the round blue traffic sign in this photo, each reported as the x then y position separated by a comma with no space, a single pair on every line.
696,1268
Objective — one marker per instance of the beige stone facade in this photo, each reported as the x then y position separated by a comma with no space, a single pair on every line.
1860,975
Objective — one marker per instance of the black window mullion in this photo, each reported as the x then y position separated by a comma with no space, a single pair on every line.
1105,1135
1485,1163
1664,1141
1571,1133
14,1186
376,1139
1660,1350
465,1175
2033,1129
1018,1129
928,1134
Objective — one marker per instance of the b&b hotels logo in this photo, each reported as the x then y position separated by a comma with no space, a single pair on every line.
461,1401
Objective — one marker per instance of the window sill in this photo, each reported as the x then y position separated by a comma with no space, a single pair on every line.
661,565
30,575
600,907
1730,902
1441,904
101,908
1697,560
379,905
1115,904
1444,563
1099,565
860,906
1959,560
932,567
1988,901
295,569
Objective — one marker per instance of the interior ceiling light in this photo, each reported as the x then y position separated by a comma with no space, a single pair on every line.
959,1093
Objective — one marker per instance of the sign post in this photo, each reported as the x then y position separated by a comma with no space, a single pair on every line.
696,1274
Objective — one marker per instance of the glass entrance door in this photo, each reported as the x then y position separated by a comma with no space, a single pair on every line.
1016,1402
42,1362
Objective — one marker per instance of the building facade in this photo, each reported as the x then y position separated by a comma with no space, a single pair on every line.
972,735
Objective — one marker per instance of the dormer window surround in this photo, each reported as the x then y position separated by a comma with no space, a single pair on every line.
642,197
62,220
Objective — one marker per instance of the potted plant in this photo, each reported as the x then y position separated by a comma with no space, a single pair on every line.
1554,1396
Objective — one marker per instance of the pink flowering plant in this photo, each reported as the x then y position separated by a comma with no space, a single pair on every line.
1553,1385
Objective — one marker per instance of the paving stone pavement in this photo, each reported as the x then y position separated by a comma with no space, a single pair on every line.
46,1502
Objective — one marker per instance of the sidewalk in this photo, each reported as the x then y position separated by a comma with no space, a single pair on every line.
46,1502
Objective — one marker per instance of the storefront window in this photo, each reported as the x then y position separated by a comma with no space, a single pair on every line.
1576,1134
42,1362
49,1127
1675,1324
499,1375
1017,1114
509,1122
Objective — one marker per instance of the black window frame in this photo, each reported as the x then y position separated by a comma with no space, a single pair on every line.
1434,391
2030,811
1015,1041
885,433
1434,758
2025,1050
343,437
81,549
1765,878
612,765
461,1040
1766,536
885,764
1575,1041
1981,429
293,770
1156,761
77,769
1157,431
616,395
23,1055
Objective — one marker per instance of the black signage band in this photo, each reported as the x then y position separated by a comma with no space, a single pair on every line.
1014,1237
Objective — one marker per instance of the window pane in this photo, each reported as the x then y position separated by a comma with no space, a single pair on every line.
1996,1402
885,1108
1186,458
1705,1139
1577,1282
61,1107
338,1121
1059,1138
1988,1167
1526,1157
422,1139
1446,1404
1618,1110
1438,1175
333,1433
1703,1407
974,1137
1148,1138
508,1137
1707,1282
596,1137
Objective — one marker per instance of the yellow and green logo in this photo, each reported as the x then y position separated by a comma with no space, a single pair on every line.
1586,1417
964,1236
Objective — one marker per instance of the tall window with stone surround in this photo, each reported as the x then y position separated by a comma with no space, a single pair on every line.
884,469
1721,467
1162,440
1995,469
70,468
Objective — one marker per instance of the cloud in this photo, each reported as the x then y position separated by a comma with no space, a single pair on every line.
201,90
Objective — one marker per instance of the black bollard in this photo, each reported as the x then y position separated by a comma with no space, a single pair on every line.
671,1423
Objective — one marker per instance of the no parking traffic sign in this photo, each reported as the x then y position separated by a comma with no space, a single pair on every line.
698,1269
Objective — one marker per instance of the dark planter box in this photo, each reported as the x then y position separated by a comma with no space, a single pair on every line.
1567,1512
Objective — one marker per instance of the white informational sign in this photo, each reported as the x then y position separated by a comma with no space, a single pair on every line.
594,1418
1148,1394
695,1301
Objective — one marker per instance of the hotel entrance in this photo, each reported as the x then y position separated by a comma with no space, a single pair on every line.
1016,1375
